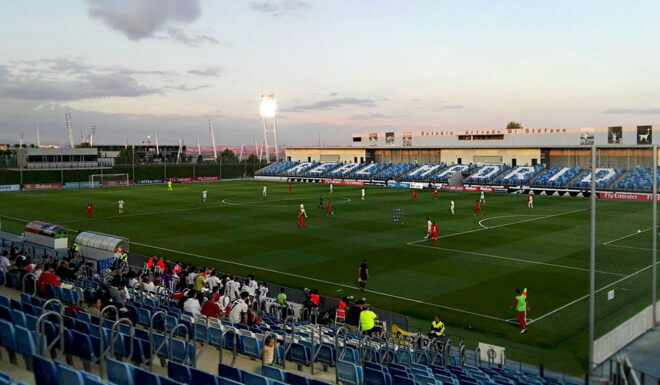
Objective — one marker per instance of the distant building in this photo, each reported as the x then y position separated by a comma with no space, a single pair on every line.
57,158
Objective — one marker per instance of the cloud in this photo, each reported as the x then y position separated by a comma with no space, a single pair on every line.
192,40
208,72
449,107
84,86
332,104
279,8
186,88
142,19
374,115
633,111
333,94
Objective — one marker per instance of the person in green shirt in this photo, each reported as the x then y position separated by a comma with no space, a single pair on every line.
368,320
199,281
281,300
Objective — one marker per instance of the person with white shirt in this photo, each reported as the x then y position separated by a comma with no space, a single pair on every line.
451,207
204,192
263,294
362,194
429,223
483,197
212,281
232,288
265,192
4,261
302,209
120,206
147,285
239,310
192,305
331,189
254,285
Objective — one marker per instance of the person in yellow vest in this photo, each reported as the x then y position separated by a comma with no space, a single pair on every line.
437,328
169,185
522,307
123,257
368,320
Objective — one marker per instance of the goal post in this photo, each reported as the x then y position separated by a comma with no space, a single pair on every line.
107,180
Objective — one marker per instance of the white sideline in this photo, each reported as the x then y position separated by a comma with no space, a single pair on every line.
320,280
597,291
513,259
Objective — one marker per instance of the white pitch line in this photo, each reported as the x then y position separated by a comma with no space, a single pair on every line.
597,291
503,216
320,280
346,200
502,225
627,236
513,259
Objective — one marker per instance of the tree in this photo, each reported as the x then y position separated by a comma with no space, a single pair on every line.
228,156
513,125
253,159
83,145
125,156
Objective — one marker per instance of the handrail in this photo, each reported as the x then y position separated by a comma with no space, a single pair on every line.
40,332
135,287
115,333
234,345
44,307
287,347
477,357
316,353
103,352
276,351
461,353
447,351
386,351
153,349
340,356
205,322
34,285
186,341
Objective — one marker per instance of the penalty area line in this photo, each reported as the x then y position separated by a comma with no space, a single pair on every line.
320,280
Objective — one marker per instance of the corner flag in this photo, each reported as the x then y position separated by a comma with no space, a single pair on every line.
524,293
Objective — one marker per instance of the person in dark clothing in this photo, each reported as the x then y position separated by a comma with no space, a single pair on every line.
353,316
363,274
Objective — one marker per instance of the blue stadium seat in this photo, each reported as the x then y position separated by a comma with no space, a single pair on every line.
143,377
296,379
376,377
45,372
227,381
25,344
273,373
251,347
423,172
178,372
82,346
8,339
91,379
485,173
299,353
200,377
255,379
349,373
518,175
119,373
6,378
230,372
69,376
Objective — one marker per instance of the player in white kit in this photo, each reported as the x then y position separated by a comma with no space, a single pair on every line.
204,192
530,201
302,209
483,197
331,190
120,206
429,223
451,207
265,192
362,194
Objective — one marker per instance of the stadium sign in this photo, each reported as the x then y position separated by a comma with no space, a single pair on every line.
10,187
41,186
110,183
344,182
626,196
207,178
398,184
375,183
150,181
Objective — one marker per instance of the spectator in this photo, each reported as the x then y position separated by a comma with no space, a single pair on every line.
281,300
48,277
269,350
192,305
95,308
147,284
368,321
211,307
212,281
353,316
199,281
254,285
38,270
239,310
4,260
224,302
132,279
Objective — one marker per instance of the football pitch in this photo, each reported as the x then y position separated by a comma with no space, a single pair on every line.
468,278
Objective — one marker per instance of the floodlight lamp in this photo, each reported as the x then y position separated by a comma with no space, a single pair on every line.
268,108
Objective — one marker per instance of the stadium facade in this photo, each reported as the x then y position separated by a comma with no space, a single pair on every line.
552,147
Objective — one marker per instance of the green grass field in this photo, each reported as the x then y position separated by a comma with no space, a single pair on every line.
468,279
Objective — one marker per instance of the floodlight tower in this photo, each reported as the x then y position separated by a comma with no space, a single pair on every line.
268,110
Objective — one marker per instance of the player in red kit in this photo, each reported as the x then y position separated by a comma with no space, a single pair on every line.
435,193
329,209
290,188
301,221
477,208
414,195
434,234
90,210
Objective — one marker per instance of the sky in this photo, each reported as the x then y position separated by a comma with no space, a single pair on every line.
132,67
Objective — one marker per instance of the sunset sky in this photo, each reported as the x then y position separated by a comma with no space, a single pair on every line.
131,67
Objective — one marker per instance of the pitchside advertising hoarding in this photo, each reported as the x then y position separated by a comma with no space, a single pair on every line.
10,187
41,186
627,196
344,182
197,179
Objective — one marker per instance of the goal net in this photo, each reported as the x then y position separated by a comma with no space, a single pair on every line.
103,180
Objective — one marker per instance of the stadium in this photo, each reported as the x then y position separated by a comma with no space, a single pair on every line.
419,241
